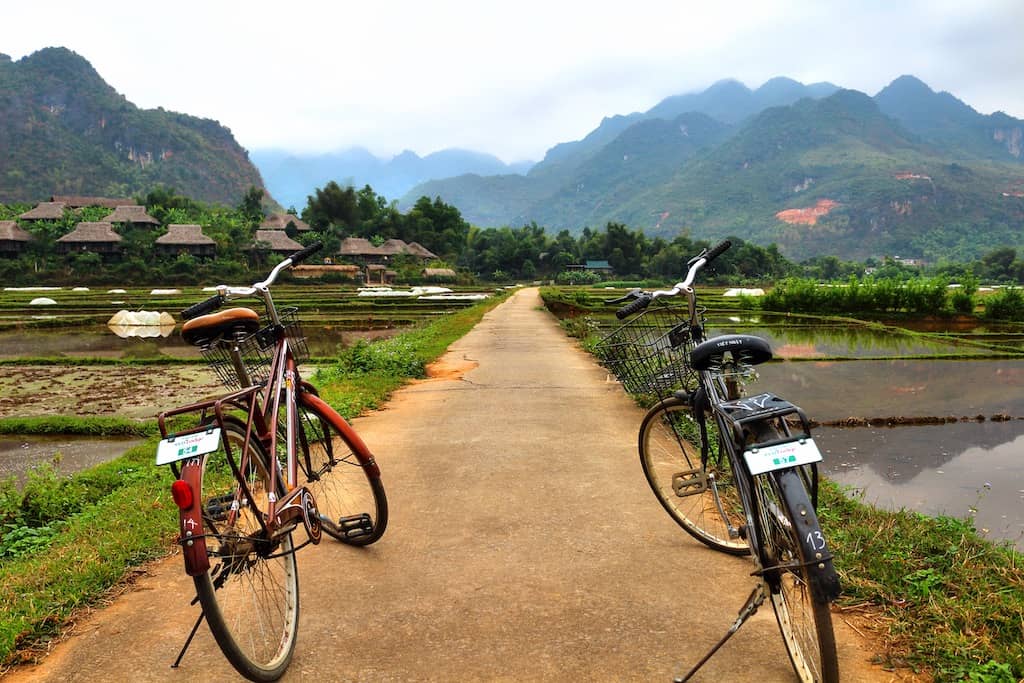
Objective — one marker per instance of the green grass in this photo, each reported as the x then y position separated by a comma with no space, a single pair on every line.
946,599
65,542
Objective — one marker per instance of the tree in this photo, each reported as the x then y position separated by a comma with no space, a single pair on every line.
332,205
252,205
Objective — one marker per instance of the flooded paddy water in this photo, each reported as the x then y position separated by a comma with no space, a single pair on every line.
71,357
967,376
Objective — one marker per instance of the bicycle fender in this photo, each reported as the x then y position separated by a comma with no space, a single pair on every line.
192,540
823,577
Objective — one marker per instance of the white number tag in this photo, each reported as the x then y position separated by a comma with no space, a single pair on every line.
175,448
782,455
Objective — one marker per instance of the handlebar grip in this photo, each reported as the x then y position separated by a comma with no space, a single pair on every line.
300,256
631,294
636,306
718,250
203,307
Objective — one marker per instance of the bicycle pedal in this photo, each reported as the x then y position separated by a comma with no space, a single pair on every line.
218,507
690,482
355,526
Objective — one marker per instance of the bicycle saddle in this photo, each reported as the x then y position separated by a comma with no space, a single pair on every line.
754,350
200,331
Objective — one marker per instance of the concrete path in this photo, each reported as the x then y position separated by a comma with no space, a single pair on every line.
523,545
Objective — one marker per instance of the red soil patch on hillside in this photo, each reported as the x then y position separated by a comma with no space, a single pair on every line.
808,216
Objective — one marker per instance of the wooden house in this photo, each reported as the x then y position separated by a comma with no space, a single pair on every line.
185,239
98,237
420,251
77,202
378,274
12,239
44,211
280,221
276,241
132,215
360,249
438,274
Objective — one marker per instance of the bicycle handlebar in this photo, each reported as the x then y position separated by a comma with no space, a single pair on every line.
226,293
643,299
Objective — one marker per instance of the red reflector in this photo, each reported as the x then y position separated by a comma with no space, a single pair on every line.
181,492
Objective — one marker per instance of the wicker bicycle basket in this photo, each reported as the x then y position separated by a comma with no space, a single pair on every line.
255,350
650,353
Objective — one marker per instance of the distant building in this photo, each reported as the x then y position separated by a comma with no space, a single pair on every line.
77,202
185,239
378,274
280,221
97,237
360,249
446,274
44,211
601,267
12,239
133,215
276,241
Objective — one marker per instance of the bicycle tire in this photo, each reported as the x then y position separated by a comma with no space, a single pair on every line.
799,584
670,453
341,473
250,594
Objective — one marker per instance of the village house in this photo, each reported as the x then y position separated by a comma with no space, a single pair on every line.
276,241
97,237
280,221
78,202
438,274
44,211
12,239
132,215
185,239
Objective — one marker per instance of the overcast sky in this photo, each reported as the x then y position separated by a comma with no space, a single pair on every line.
509,78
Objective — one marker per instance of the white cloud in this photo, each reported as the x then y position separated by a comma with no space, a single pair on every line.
509,78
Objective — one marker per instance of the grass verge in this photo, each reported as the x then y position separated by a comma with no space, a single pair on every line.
67,541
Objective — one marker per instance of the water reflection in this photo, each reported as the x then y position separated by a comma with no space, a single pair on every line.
18,454
911,388
956,470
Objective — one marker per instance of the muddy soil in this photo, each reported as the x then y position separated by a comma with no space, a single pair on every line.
126,391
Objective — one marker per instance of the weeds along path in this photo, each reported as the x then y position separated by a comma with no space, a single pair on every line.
523,545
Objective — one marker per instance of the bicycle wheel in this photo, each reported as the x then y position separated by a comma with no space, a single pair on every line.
341,473
250,595
799,574
701,498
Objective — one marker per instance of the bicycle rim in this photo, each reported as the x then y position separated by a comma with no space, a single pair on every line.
250,595
700,498
804,619
350,497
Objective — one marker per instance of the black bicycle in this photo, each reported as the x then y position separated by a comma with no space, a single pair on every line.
739,473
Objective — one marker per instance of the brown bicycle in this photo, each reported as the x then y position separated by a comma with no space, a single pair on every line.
253,466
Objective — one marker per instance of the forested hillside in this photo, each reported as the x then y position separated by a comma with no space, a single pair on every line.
64,131
909,172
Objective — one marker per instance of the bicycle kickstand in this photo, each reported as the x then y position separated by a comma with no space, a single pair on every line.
191,635
749,608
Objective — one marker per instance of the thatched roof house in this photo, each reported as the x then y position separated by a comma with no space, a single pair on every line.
358,247
187,238
12,238
44,211
77,202
277,241
280,221
438,273
393,246
417,249
96,236
133,214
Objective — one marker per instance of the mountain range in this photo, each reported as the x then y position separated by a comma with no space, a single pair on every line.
65,131
815,169
293,177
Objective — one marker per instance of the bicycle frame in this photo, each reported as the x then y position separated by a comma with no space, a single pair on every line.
262,407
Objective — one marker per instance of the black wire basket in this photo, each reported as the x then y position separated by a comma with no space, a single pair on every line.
255,351
650,353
